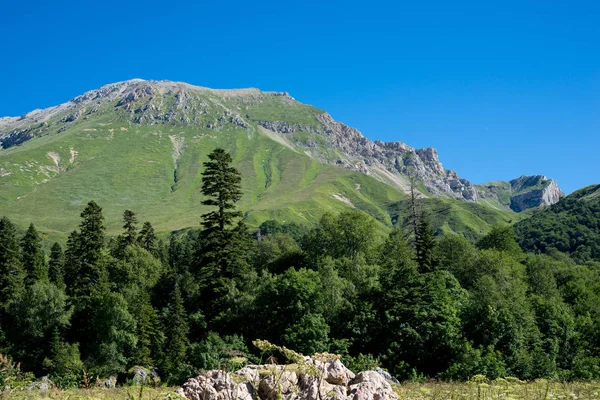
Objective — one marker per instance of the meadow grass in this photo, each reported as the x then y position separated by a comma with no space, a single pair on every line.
501,389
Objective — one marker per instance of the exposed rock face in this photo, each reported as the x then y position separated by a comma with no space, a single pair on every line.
544,192
312,379
522,193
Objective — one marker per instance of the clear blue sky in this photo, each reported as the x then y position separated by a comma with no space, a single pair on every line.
500,88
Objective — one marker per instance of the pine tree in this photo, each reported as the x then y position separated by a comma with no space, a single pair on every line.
425,244
221,183
147,330
176,334
147,239
72,264
219,248
130,226
33,258
85,253
56,265
12,273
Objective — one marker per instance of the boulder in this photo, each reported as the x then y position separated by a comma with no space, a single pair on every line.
309,379
338,374
371,385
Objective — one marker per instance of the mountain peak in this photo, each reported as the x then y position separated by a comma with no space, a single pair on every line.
301,127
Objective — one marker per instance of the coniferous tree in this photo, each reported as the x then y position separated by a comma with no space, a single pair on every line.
130,226
33,258
147,239
85,252
176,332
148,330
219,251
11,269
56,263
425,244
72,263
221,183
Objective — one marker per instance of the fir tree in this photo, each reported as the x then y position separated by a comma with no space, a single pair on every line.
147,239
147,330
220,245
130,226
33,258
221,183
425,244
176,334
56,265
11,269
85,253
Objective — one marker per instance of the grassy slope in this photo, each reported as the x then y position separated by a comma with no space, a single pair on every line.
134,169
123,165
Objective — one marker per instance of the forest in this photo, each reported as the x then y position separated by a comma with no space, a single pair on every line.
419,305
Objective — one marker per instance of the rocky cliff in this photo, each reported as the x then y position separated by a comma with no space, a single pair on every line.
301,127
522,193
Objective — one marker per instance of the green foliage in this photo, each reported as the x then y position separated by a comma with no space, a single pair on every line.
439,308
176,342
571,226
361,362
472,362
228,353
113,337
86,253
274,227
148,239
425,244
56,265
36,314
501,239
64,363
34,261
310,335
12,273
348,234
11,376
221,183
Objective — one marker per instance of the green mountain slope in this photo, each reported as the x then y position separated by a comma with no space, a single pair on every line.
140,145
572,225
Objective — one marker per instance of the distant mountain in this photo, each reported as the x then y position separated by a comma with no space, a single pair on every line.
140,144
522,193
572,226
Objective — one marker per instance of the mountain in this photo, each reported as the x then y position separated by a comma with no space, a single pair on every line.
140,145
572,226
522,193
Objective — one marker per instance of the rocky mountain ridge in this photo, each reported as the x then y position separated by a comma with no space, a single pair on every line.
301,127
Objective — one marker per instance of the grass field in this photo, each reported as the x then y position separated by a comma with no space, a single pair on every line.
483,390
154,169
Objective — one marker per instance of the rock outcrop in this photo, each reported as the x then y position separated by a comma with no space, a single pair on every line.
522,193
311,379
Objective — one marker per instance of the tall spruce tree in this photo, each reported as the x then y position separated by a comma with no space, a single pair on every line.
11,269
148,240
221,252
176,331
130,225
221,183
33,258
85,253
425,244
56,264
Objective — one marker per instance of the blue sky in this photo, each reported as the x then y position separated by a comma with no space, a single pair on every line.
501,89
